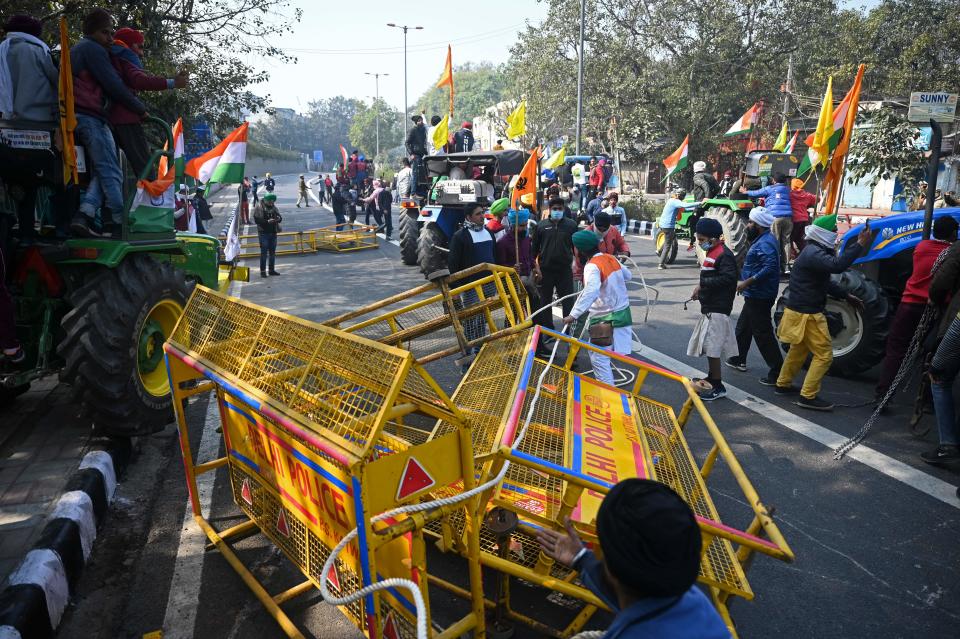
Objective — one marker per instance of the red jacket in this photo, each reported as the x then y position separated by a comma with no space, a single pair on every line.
800,201
612,243
918,286
136,79
596,176
96,81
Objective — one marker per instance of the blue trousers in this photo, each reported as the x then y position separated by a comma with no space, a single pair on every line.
268,250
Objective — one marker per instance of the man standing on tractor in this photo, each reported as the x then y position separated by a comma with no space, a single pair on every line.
553,251
914,299
668,224
776,197
606,299
713,335
268,219
95,82
596,178
800,201
463,139
705,187
726,184
759,284
416,146
803,325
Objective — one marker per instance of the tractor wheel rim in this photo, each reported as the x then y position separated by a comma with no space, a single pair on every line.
661,238
850,336
157,327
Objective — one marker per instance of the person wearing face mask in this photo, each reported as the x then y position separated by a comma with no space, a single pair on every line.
713,335
514,249
611,242
553,250
605,299
759,283
803,325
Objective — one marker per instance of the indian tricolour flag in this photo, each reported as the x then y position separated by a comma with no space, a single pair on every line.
677,160
836,132
745,123
178,160
224,163
792,144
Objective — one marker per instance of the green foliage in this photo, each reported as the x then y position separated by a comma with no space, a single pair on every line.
325,126
885,147
363,129
476,87
270,152
211,39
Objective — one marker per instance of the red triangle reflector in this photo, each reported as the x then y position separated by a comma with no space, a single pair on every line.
245,493
333,578
390,630
282,527
414,479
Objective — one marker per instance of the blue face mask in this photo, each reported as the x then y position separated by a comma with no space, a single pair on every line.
556,215
706,246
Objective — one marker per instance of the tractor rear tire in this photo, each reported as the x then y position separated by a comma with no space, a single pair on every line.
409,234
430,253
859,337
661,236
113,341
734,231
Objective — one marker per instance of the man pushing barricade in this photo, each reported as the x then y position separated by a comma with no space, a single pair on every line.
650,545
606,299
804,326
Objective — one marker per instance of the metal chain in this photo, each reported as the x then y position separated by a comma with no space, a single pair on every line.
906,366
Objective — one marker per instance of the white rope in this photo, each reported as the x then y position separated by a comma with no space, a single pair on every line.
429,505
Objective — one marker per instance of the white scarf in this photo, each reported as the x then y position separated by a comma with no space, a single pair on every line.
821,235
6,81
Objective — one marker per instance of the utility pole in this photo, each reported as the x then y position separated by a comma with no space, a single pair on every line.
787,89
406,104
583,11
376,102
933,168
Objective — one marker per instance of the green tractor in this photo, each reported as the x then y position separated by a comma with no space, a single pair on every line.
97,311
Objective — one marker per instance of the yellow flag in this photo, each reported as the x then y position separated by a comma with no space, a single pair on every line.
68,118
441,132
517,121
819,151
556,159
781,142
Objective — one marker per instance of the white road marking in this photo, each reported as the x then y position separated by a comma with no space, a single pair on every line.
904,473
181,611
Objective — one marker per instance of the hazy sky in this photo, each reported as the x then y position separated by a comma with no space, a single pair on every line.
334,47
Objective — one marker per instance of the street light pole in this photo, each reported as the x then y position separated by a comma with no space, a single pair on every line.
406,104
376,102
583,11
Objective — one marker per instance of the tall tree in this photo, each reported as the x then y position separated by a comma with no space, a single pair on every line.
476,87
363,129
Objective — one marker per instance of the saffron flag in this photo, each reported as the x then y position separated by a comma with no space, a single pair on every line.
224,163
839,118
178,160
441,132
781,142
447,78
677,160
819,148
832,181
792,144
526,179
745,123
68,116
517,121
557,159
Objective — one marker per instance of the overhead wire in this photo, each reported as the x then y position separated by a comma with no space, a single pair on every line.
416,48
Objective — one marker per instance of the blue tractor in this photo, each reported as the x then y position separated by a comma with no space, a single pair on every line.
450,184
878,278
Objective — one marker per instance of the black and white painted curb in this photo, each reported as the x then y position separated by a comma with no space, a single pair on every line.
640,227
39,588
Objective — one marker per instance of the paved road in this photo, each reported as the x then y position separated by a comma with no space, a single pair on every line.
875,536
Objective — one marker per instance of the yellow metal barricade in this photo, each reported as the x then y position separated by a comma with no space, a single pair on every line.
339,237
328,427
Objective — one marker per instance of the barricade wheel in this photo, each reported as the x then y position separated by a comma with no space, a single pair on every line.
409,234
113,344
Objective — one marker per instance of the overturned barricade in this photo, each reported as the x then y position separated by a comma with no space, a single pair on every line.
347,453
341,238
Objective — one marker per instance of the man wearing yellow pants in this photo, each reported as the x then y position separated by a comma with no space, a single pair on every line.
804,325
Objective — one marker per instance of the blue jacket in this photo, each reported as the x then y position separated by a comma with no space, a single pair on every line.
125,53
777,199
689,616
763,265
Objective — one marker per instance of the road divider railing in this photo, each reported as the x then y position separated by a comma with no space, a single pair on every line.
345,451
338,237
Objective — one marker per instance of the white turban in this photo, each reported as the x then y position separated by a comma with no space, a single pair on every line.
761,217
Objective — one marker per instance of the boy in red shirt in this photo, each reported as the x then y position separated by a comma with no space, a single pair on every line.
914,299
800,201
